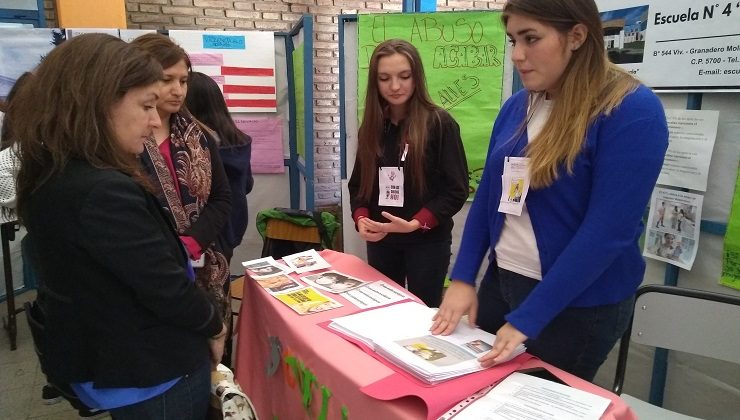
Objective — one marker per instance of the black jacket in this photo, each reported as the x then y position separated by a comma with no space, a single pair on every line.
119,307
238,168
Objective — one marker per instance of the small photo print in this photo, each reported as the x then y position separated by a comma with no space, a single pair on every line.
265,267
516,188
306,261
307,301
277,284
478,346
333,281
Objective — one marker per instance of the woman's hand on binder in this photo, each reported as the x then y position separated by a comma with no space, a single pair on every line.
507,339
460,299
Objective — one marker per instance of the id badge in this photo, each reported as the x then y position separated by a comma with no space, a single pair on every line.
514,185
390,180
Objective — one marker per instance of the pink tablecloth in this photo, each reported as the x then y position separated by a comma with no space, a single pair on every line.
334,366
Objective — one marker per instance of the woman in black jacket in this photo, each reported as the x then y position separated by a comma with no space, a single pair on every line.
410,176
125,326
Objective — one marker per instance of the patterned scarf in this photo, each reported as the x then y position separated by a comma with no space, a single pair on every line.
191,159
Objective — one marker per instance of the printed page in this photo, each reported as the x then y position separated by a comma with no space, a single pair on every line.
333,281
278,284
525,397
375,294
691,135
265,267
306,261
672,234
307,301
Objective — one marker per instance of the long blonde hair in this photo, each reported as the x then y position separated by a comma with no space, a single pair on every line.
589,86
421,112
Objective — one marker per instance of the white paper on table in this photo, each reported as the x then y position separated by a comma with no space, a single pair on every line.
525,397
305,261
375,294
266,267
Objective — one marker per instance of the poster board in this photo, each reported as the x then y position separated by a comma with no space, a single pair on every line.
463,57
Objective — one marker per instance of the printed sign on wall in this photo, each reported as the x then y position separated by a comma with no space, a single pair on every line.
675,44
242,63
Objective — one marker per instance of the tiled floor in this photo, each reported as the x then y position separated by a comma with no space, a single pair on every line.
21,379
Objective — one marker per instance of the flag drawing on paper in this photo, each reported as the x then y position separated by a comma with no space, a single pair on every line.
242,63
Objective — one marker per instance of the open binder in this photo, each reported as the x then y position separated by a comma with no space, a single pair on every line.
400,334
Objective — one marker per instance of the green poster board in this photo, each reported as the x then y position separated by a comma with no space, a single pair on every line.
300,122
731,254
463,56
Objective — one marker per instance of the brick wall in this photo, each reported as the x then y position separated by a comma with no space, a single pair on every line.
280,15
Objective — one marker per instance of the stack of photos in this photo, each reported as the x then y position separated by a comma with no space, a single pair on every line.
265,267
306,261
307,301
278,284
333,281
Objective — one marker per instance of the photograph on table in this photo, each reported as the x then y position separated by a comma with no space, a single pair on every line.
265,267
277,284
306,261
333,281
307,301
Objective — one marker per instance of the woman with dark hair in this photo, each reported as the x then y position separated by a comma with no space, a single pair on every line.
410,176
125,328
9,164
590,141
206,102
187,173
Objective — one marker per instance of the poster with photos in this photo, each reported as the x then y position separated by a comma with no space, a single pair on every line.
672,233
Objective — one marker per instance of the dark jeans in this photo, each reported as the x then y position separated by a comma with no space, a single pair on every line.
578,340
423,266
187,400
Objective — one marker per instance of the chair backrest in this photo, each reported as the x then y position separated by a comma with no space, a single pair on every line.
287,231
688,320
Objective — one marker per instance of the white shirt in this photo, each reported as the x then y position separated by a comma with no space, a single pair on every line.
516,249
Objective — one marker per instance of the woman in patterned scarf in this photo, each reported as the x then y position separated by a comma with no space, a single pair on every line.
187,173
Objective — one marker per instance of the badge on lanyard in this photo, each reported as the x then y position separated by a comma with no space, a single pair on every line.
390,180
514,185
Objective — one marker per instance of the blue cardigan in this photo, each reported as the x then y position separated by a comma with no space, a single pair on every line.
587,224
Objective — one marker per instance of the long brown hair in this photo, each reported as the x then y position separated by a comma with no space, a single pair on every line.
6,134
163,49
206,103
421,112
589,86
65,112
